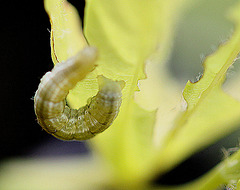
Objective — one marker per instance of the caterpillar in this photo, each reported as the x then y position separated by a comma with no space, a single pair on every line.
58,119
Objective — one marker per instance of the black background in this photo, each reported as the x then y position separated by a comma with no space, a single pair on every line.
24,58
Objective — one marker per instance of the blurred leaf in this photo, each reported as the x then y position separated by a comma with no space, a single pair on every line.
53,174
225,173
211,113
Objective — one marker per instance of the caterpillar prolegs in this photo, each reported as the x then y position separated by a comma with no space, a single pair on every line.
65,123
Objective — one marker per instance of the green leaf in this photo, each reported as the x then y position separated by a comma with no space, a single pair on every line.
66,31
126,33
210,113
225,173
126,36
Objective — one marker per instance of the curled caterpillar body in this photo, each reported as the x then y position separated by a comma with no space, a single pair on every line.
65,123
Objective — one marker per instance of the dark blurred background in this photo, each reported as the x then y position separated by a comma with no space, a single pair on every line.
25,57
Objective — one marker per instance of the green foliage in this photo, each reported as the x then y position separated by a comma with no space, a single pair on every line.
154,131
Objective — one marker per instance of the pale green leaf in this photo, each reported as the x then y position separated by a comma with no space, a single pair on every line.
66,33
53,174
126,36
210,113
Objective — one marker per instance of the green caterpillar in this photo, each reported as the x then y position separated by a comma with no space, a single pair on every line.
65,123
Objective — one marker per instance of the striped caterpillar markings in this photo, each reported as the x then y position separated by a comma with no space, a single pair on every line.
65,123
